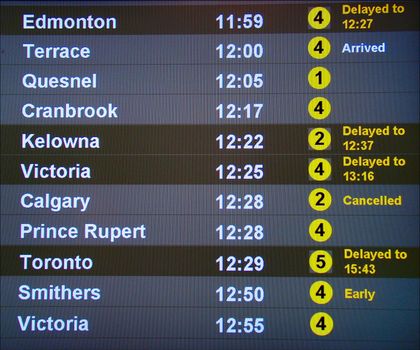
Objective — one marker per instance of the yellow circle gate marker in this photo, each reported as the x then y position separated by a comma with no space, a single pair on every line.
319,18
319,47
321,324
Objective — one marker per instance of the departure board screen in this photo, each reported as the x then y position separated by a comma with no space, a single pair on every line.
210,175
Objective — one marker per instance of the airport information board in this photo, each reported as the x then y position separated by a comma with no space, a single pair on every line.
210,175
